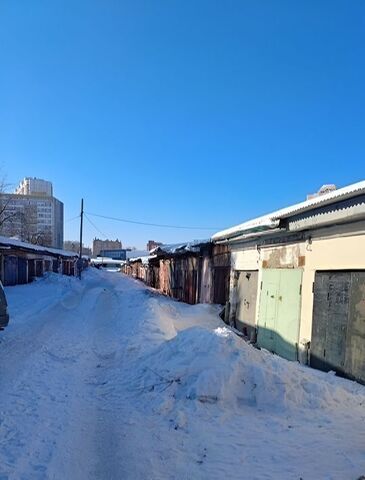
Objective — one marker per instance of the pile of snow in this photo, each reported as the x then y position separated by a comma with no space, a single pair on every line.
216,366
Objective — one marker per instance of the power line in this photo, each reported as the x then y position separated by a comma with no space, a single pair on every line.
93,224
73,218
152,224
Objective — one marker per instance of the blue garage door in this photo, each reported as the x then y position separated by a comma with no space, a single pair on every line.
22,270
10,270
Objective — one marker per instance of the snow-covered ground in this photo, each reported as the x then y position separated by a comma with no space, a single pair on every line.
105,379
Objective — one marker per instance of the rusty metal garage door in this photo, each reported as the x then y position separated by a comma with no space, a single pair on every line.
338,329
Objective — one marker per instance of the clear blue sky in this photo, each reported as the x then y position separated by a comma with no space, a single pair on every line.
184,112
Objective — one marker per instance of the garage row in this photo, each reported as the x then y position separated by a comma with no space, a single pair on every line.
294,280
21,262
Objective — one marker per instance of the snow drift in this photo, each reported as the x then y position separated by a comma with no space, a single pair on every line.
216,366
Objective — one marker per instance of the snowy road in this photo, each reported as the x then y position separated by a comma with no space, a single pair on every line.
104,379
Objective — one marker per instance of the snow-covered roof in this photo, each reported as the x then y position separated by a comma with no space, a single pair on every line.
136,253
272,220
106,260
144,259
192,246
14,242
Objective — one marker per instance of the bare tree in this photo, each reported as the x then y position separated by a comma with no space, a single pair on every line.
6,213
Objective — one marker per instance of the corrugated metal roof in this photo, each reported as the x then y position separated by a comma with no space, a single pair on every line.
272,219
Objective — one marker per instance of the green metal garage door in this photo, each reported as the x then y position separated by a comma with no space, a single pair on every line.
279,312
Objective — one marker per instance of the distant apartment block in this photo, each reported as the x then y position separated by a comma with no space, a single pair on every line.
35,186
32,214
99,245
74,246
152,244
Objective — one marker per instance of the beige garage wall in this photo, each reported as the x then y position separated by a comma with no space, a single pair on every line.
337,253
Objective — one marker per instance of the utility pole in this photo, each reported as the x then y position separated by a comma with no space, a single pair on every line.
81,225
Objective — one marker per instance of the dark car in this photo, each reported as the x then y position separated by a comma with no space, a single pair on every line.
4,316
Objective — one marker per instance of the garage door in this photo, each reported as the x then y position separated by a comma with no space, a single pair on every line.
246,296
279,311
39,268
22,270
221,285
31,270
338,328
10,270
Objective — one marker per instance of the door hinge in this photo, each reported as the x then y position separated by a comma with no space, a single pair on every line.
300,289
313,287
261,286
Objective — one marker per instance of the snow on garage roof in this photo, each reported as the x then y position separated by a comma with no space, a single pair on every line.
143,259
14,242
271,220
179,247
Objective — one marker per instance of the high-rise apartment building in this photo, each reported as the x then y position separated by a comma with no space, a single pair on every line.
32,214
34,186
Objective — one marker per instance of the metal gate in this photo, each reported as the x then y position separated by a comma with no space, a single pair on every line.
10,270
22,270
338,329
245,294
279,313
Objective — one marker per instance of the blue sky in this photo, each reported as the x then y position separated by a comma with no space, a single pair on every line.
202,113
